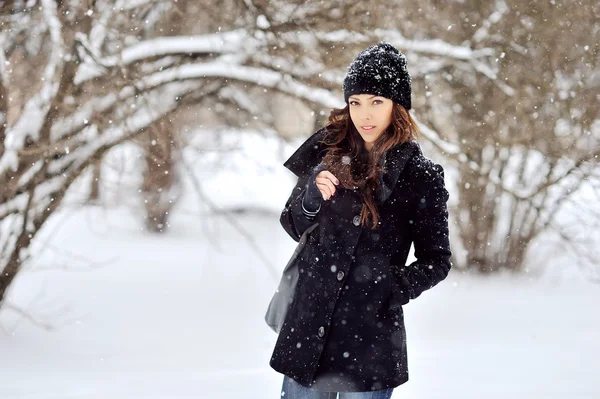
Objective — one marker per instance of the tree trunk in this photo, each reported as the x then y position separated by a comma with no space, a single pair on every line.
95,184
159,188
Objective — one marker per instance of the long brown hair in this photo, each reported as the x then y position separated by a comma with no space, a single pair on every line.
354,166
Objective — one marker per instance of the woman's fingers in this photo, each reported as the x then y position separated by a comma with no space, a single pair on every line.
326,183
330,176
326,190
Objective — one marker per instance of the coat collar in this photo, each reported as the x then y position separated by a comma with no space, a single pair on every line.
394,162
308,156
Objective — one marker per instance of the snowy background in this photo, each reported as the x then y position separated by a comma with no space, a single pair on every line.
141,183
134,315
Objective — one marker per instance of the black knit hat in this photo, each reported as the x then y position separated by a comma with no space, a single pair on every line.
381,70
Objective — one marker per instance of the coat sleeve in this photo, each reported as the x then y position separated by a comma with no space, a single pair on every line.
429,225
293,219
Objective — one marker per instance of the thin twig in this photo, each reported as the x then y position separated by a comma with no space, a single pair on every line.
231,220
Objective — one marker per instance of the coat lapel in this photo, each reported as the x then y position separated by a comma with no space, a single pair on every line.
394,163
308,157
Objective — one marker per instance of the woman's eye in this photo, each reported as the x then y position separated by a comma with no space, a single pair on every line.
353,102
377,101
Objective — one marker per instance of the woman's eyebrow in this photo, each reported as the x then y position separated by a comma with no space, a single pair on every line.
354,98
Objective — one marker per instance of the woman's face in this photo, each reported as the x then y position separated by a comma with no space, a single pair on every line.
371,115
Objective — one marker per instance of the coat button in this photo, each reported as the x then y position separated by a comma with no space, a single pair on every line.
321,331
340,275
356,220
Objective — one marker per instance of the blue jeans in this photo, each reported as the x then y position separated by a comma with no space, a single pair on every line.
293,390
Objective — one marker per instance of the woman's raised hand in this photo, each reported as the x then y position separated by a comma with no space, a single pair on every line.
321,186
326,183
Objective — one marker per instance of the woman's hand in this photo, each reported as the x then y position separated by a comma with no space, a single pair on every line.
321,186
326,182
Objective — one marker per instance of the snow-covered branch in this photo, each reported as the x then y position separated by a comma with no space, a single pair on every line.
492,75
239,41
435,47
496,15
523,193
3,64
54,26
234,41
448,148
99,30
66,168
241,98
259,76
163,101
35,110
3,93
42,192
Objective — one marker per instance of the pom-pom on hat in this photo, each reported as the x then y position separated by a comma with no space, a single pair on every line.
380,70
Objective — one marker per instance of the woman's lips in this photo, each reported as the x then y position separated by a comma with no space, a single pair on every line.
367,128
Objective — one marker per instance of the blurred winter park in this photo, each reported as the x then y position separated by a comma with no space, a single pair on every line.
141,181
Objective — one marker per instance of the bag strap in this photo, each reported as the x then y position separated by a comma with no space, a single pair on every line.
304,237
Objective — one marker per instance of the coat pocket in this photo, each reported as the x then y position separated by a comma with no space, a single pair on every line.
400,291
396,313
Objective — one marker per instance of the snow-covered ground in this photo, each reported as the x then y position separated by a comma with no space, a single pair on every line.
181,315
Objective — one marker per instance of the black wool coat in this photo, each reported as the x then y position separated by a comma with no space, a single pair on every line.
345,331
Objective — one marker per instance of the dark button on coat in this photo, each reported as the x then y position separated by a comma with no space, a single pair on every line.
345,328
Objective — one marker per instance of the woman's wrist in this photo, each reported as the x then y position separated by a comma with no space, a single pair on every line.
311,206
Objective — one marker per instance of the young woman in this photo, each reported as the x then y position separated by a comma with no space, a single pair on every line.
364,179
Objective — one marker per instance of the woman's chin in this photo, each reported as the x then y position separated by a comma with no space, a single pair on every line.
368,139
